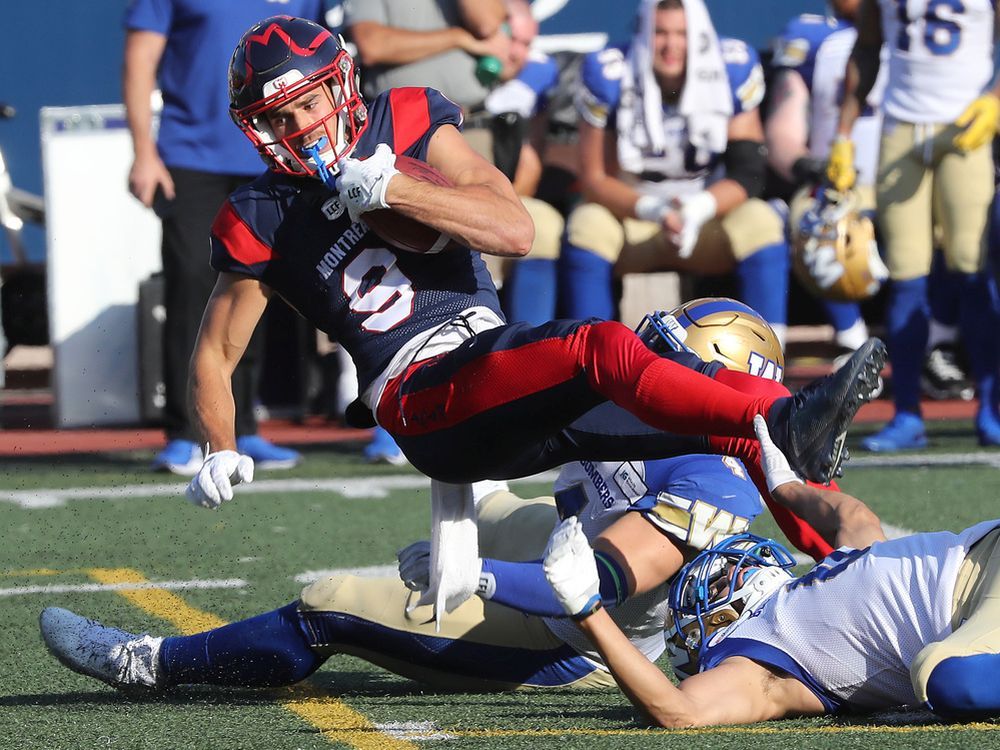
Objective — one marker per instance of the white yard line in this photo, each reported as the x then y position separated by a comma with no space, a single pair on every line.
354,488
74,588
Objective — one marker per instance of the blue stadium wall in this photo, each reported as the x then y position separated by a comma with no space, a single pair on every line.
68,52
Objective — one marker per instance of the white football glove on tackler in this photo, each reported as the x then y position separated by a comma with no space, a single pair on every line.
363,182
213,484
571,569
777,471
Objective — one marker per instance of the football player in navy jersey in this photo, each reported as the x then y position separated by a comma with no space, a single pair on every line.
466,396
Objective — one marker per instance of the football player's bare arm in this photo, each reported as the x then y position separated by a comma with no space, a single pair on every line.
787,127
482,17
646,555
599,172
232,313
143,50
842,519
390,45
738,691
481,210
750,165
862,66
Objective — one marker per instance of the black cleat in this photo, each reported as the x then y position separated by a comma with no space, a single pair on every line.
811,426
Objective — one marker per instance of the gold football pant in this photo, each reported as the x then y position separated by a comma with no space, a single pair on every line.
480,646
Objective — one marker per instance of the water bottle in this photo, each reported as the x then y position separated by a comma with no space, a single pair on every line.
488,70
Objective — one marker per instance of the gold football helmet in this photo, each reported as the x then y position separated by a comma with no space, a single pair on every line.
834,253
717,328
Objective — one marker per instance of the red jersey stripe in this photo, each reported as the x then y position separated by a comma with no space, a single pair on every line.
411,116
242,244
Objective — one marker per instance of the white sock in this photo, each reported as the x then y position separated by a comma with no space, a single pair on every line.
853,337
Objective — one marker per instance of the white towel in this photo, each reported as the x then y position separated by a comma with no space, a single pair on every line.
706,100
454,567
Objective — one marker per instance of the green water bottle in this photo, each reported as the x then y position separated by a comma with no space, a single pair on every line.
488,70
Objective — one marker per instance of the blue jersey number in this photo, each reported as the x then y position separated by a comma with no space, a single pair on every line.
941,35
834,564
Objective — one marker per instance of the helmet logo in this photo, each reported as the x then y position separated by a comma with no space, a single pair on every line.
285,80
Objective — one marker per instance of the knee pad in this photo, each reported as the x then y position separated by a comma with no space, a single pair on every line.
549,225
751,226
594,228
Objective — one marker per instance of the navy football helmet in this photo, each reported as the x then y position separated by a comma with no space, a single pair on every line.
279,59
717,328
717,588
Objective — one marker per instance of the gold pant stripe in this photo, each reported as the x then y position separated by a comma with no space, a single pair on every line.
336,721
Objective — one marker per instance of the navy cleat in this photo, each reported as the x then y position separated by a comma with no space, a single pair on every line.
811,426
122,660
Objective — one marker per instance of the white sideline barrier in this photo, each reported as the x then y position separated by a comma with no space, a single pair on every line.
101,243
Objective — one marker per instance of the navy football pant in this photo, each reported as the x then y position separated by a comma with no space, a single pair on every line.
516,400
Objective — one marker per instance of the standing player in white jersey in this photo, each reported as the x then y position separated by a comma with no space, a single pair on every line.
935,167
645,518
922,628
672,164
810,59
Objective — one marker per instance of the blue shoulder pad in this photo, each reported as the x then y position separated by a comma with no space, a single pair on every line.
601,74
699,500
746,76
797,46
406,118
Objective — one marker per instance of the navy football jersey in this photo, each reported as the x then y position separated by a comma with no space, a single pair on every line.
293,234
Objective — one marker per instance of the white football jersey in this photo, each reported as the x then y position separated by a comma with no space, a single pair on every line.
850,628
941,56
697,500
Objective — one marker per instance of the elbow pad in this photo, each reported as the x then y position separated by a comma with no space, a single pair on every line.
746,163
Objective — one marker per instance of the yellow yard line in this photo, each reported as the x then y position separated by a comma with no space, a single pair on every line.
33,572
335,720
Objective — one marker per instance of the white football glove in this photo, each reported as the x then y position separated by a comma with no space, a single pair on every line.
695,210
415,565
776,468
651,208
571,569
213,484
363,182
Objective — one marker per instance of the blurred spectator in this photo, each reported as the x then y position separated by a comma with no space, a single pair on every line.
810,59
934,166
185,174
672,159
444,44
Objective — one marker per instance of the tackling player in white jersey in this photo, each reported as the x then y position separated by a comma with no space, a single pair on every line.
644,517
922,627
935,168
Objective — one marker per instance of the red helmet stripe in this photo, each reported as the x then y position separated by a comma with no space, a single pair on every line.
264,38
243,245
411,116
